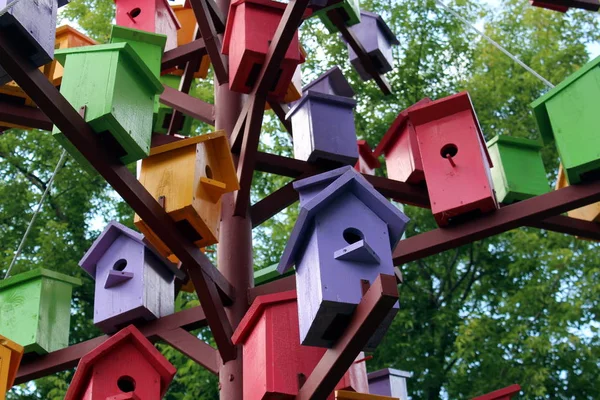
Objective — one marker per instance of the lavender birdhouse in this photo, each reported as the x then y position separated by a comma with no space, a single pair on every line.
31,26
389,382
343,239
133,283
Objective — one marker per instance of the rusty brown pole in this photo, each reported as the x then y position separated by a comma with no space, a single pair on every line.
234,253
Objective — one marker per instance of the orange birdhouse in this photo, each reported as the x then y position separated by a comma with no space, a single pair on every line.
10,358
347,395
187,34
591,212
189,177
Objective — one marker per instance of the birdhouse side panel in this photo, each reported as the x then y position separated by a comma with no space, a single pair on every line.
166,25
137,14
187,19
159,287
6,359
55,315
590,212
501,185
302,132
380,386
398,386
367,33
20,314
256,365
403,160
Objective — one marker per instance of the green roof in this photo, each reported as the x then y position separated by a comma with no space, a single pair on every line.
38,273
516,141
135,35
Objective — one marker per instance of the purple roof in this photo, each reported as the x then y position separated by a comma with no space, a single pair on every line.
389,371
391,36
343,180
335,81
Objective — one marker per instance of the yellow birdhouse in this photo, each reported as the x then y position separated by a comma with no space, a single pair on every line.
189,177
347,395
10,358
186,34
294,91
590,212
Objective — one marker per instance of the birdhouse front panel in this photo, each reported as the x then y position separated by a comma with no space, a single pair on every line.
455,160
35,310
185,35
251,26
66,38
31,24
149,15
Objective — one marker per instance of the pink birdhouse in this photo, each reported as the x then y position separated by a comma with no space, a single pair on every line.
367,161
455,159
502,394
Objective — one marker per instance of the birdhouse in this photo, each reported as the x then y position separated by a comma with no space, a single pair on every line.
506,393
567,114
591,212
31,25
549,6
10,359
276,365
377,39
149,46
251,25
126,365
350,10
189,177
162,119
367,162
338,255
400,148
518,172
346,395
389,382
187,34
323,121
154,16
455,159
133,283
564,5
35,309
107,80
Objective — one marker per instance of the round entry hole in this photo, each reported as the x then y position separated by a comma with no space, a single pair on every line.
352,235
120,265
449,150
126,384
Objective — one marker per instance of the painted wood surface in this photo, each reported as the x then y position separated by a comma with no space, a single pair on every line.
377,39
506,393
346,395
549,6
455,159
331,82
185,35
118,90
35,309
349,8
251,25
389,382
367,161
162,118
153,16
518,172
567,115
126,362
32,24
191,175
275,363
591,212
148,46
11,354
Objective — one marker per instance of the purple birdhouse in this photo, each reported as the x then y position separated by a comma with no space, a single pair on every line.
133,283
343,239
31,25
389,382
323,121
377,39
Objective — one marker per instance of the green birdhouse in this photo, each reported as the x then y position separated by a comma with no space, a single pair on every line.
568,115
518,172
35,309
163,116
118,90
350,10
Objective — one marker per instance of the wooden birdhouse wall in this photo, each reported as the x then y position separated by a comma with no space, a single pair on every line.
149,15
185,35
403,160
66,38
591,212
11,354
389,382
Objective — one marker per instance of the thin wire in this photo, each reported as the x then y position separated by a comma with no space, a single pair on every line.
59,165
495,44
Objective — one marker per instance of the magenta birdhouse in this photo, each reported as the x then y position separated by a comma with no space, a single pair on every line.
151,16
367,161
401,150
31,25
323,121
377,39
455,159
389,382
133,283
251,26
336,252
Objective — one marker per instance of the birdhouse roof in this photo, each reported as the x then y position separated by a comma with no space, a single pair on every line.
388,33
130,335
38,273
112,232
260,304
69,30
178,144
501,393
515,142
16,351
136,35
448,106
343,180
339,101
391,136
539,106
365,152
336,80
389,372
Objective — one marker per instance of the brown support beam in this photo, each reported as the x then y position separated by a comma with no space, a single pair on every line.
569,226
182,54
522,213
273,204
35,366
188,105
194,348
372,310
281,111
211,39
184,87
24,116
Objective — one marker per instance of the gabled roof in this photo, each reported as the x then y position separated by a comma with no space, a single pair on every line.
335,80
365,152
256,310
389,372
129,335
349,181
501,393
390,36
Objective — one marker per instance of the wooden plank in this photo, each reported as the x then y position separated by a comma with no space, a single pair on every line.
195,108
182,54
192,347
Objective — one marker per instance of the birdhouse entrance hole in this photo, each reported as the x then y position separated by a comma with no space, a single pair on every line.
352,235
449,150
120,265
135,12
208,172
126,384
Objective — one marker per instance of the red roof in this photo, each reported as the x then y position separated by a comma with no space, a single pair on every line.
367,154
500,394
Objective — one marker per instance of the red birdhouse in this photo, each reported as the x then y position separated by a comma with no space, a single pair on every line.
367,161
151,16
126,366
503,394
455,159
275,363
401,149
251,25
